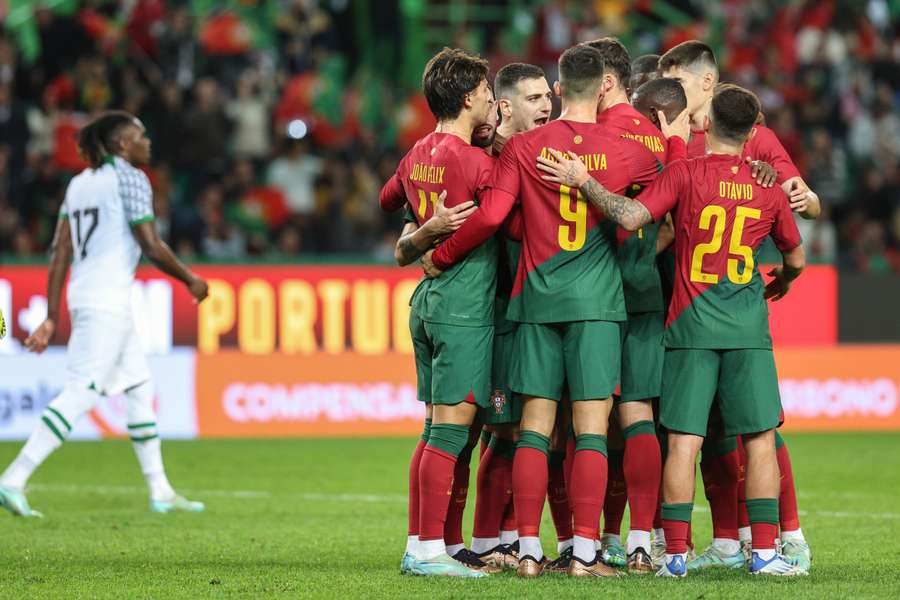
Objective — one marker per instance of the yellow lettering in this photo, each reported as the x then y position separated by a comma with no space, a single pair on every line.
334,294
369,311
297,316
403,291
215,315
256,317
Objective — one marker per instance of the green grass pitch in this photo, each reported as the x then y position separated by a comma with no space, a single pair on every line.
327,518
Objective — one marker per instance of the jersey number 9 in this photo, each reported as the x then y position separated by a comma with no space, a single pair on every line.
577,218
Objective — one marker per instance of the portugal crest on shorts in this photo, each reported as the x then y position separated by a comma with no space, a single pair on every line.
498,401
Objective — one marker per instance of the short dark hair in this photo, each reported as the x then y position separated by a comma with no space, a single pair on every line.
615,57
688,54
580,71
511,74
97,139
449,76
647,63
643,69
661,92
733,112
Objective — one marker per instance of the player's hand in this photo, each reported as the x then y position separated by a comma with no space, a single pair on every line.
38,341
680,127
199,289
447,220
431,271
764,173
778,287
565,170
800,197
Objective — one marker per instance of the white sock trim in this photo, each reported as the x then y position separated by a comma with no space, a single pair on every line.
726,545
428,549
482,545
637,539
584,549
531,546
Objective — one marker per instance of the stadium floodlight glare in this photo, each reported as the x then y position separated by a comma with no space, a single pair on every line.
297,129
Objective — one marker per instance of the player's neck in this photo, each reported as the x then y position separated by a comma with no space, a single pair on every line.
461,127
614,98
506,129
579,111
700,115
714,145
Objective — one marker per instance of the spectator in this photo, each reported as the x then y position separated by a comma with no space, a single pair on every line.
221,240
250,113
295,173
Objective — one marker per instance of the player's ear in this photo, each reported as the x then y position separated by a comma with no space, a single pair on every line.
709,81
505,110
557,91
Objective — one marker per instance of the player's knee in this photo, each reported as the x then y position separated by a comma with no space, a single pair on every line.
75,400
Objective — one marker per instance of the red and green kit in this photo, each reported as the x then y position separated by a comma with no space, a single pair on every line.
717,330
567,293
452,318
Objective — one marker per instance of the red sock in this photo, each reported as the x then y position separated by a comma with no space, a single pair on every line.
720,481
509,517
763,535
787,501
677,534
530,479
677,526
435,489
457,505
558,499
414,488
614,503
588,487
567,463
643,473
494,490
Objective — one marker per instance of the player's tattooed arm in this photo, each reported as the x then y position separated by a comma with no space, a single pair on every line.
60,257
570,171
415,241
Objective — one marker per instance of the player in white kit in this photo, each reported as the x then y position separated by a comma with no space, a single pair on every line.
105,223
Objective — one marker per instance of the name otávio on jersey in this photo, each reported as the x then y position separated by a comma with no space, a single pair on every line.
567,269
101,206
722,217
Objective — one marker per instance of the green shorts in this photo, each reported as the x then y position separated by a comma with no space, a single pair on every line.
742,382
586,355
452,361
642,356
505,406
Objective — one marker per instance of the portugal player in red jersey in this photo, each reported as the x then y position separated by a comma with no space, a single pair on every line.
567,299
693,64
718,347
452,317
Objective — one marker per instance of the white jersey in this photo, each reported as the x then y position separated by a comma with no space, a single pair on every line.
101,206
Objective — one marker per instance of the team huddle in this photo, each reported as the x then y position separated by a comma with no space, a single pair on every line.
592,311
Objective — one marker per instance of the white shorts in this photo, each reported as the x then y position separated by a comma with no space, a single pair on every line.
104,351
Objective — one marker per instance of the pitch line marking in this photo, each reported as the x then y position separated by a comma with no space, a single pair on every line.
369,498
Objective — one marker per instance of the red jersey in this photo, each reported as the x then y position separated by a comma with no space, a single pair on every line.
762,145
721,219
464,295
637,250
567,270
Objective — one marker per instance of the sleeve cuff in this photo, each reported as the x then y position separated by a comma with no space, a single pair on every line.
138,221
440,261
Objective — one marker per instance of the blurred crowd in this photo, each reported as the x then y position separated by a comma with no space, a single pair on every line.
274,122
